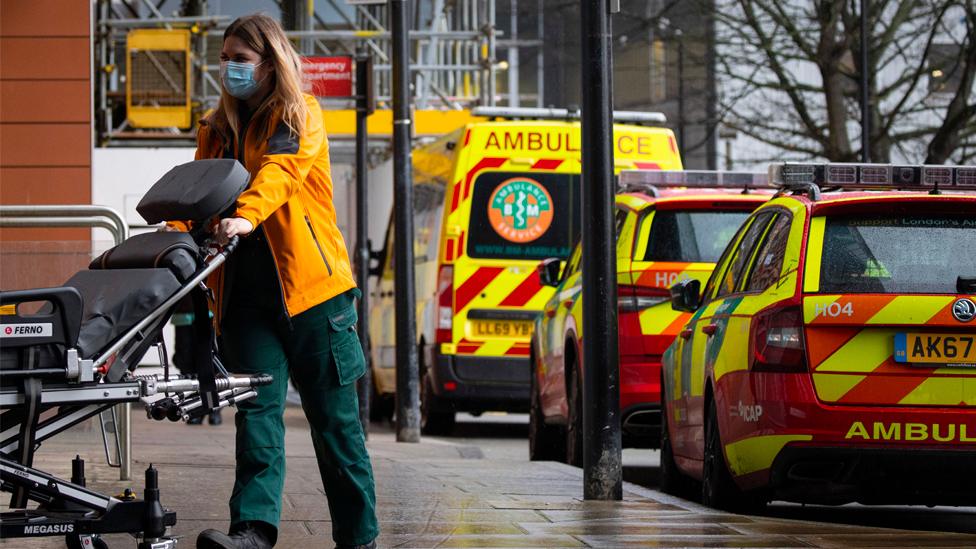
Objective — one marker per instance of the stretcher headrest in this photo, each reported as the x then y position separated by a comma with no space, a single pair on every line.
195,191
175,251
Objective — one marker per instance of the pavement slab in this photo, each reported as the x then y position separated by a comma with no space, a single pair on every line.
439,493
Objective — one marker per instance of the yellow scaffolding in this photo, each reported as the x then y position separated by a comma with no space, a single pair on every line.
157,78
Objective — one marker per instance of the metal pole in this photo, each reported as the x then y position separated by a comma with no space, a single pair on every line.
74,215
681,90
363,80
124,426
407,369
513,58
540,59
492,71
865,91
602,471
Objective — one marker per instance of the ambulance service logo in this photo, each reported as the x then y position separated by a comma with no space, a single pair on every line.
520,210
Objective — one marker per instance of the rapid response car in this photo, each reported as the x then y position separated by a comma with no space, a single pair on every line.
490,200
831,357
670,226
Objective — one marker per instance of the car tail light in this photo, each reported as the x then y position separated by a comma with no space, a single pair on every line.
634,299
445,304
777,340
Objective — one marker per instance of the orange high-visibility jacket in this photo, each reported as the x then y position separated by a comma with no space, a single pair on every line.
290,195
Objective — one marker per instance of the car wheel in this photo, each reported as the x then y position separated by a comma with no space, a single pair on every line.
574,428
545,444
673,481
718,488
434,420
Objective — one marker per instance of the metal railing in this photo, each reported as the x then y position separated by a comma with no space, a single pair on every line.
74,215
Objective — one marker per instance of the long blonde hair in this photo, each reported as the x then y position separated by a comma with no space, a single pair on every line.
265,36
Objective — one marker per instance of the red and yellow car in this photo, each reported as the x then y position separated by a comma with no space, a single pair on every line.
670,227
831,357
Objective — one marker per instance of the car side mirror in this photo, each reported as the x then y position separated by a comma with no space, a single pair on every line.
966,284
549,272
686,296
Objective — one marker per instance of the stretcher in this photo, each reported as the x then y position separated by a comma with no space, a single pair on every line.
71,353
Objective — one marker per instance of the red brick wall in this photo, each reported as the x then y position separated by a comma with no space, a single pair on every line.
45,126
45,105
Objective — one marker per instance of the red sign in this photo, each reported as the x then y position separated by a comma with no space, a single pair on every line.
328,76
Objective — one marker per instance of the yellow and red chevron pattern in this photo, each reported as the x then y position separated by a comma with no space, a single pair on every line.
513,285
850,341
660,325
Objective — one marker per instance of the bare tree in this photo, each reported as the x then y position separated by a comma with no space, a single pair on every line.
790,77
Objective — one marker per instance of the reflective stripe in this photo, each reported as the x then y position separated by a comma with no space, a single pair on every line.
911,309
831,387
867,351
757,453
523,292
474,285
811,273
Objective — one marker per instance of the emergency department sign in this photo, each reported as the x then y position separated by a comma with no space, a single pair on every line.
520,210
328,76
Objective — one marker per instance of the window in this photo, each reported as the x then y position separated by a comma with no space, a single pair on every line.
768,265
523,216
692,236
743,252
709,291
904,254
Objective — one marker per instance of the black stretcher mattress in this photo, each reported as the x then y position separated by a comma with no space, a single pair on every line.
116,300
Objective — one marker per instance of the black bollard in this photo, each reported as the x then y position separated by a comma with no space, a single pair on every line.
153,519
78,471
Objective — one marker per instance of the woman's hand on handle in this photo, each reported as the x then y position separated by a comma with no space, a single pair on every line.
231,227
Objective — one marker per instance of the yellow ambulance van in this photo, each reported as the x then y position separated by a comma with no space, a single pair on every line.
491,199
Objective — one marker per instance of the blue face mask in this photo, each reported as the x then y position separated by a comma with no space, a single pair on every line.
238,79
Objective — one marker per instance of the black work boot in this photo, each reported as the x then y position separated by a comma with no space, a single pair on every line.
215,418
247,535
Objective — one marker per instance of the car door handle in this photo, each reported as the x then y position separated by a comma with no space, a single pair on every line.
687,333
710,329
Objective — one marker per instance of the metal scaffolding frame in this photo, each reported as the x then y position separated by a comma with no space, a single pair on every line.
453,51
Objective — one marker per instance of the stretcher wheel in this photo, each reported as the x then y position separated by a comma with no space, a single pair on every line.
73,541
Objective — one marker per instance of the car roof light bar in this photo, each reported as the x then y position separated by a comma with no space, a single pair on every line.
856,176
633,117
644,180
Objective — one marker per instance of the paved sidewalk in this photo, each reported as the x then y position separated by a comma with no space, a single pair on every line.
439,494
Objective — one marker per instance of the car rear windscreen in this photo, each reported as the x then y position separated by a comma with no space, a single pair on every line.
903,254
692,236
523,215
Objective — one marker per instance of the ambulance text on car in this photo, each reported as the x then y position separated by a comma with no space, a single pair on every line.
832,355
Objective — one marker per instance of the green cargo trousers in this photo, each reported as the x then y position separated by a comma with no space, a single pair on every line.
321,351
